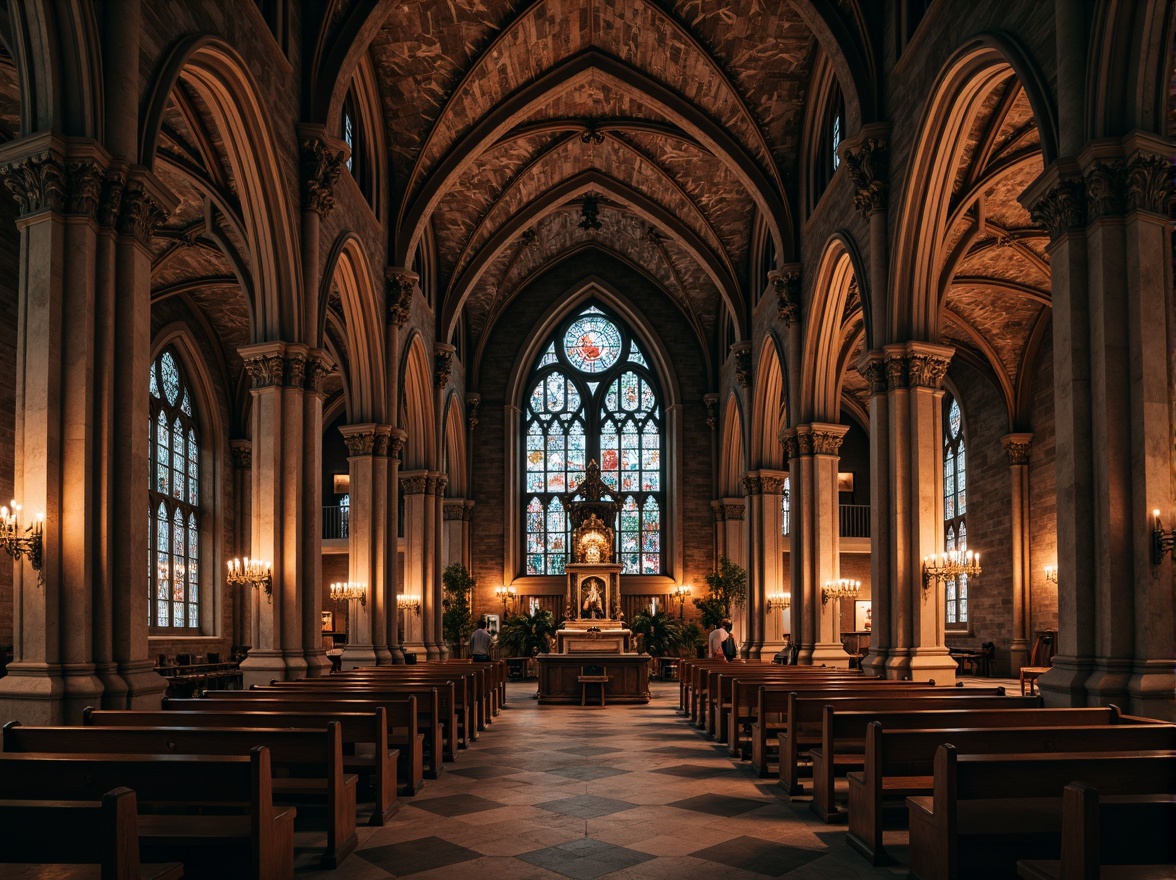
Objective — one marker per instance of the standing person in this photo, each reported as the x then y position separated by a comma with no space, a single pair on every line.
480,641
716,641
729,648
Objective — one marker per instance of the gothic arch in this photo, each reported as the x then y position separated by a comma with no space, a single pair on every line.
769,413
349,271
341,49
965,80
454,456
848,50
732,457
1129,67
416,413
221,77
823,355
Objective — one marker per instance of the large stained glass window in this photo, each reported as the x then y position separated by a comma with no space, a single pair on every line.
174,523
593,396
955,502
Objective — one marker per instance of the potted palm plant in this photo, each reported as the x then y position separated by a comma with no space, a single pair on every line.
529,634
659,633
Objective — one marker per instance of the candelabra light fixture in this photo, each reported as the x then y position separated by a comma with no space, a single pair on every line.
1162,541
1051,574
779,601
18,543
407,602
345,591
840,589
680,594
946,566
251,573
506,594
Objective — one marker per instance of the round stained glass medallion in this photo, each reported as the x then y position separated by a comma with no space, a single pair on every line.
592,343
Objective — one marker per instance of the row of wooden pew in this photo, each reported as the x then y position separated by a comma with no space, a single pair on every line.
981,775
215,782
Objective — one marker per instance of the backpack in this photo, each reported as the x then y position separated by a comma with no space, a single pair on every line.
729,650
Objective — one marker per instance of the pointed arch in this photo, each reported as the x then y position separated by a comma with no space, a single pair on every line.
416,411
769,413
822,355
348,271
218,73
454,458
732,457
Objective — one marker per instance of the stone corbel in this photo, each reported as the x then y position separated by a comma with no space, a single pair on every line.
322,162
742,352
400,286
867,161
786,282
242,454
472,402
442,362
1018,448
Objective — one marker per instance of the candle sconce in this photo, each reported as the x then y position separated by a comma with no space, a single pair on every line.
1051,574
680,594
28,542
840,589
409,603
1162,541
946,566
253,573
345,591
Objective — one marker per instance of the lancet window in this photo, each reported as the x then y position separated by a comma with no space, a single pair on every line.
955,503
593,396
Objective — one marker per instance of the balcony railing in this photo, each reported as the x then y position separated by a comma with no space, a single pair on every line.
335,519
854,521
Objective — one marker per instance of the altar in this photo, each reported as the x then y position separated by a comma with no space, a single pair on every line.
559,674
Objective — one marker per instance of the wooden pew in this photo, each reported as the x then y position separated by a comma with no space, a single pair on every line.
989,810
257,841
471,697
744,696
707,679
721,686
900,751
76,840
430,717
1143,821
313,758
806,715
358,729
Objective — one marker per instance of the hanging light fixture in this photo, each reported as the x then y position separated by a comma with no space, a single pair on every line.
840,589
406,602
18,543
251,573
345,591
946,566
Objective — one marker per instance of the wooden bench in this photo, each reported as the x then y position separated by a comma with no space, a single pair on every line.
899,755
366,749
404,729
313,758
721,692
987,811
1143,822
256,840
76,840
743,703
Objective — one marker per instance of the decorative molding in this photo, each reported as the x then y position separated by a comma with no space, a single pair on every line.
413,485
790,443
787,285
37,183
868,167
1018,448
472,402
1105,190
242,454
711,402
1149,184
140,213
320,173
734,511
442,363
752,485
1061,209
84,187
400,286
265,369
743,366
774,485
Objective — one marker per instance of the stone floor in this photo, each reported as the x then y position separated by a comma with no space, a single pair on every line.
620,792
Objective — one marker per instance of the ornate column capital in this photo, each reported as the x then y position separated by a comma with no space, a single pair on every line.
265,363
868,163
36,181
752,484
321,166
786,282
318,367
140,213
820,438
396,438
734,511
400,286
717,511
774,485
711,402
436,484
442,362
1061,208
872,367
242,454
413,482
1018,448
1149,183
366,439
742,352
472,402
453,510
788,440
917,364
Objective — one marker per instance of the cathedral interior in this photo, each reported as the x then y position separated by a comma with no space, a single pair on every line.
840,291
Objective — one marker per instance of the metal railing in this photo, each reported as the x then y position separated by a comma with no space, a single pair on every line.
335,521
853,521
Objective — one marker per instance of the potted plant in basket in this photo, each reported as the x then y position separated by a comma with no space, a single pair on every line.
457,620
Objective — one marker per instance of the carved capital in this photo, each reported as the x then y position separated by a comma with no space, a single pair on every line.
743,367
926,370
442,363
396,438
873,370
242,454
826,443
717,511
437,484
1148,182
1061,209
1018,447
453,511
320,173
400,286
110,204
789,442
413,485
804,443
711,402
734,511
140,213
266,369
472,402
896,370
84,187
868,167
380,443
774,485
317,370
360,442
786,283
752,485
295,376
1105,190
36,182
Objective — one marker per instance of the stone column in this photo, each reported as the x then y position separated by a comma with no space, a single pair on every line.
771,552
388,650
436,488
367,447
318,367
872,366
278,372
731,541
242,454
400,288
457,513
753,491
915,374
418,560
1018,447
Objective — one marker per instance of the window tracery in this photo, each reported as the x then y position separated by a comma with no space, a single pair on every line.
955,499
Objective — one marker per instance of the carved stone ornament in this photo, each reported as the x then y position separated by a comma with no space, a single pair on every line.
868,167
380,444
36,182
414,485
440,482
295,370
874,373
734,511
360,442
743,368
1061,209
804,443
85,188
399,289
266,369
1105,191
752,486
317,370
590,135
442,365
396,443
789,442
787,286
453,511
1018,448
320,173
774,485
242,454
926,370
110,205
472,402
140,214
711,402
1149,182
826,442
717,511
896,371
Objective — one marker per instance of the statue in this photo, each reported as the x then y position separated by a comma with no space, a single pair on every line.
591,606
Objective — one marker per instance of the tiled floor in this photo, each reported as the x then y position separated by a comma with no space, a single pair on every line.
621,792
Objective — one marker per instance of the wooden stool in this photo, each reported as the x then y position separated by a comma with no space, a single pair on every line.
592,675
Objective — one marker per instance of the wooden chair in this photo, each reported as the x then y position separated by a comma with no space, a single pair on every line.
592,674
1040,660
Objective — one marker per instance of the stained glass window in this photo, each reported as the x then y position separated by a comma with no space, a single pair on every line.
174,535
592,396
785,506
954,509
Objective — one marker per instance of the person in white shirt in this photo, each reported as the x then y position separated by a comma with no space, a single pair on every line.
480,641
715,643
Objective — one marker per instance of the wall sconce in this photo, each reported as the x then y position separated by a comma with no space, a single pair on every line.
251,573
345,591
680,594
1051,574
506,594
1162,541
842,589
409,603
779,601
17,543
946,566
